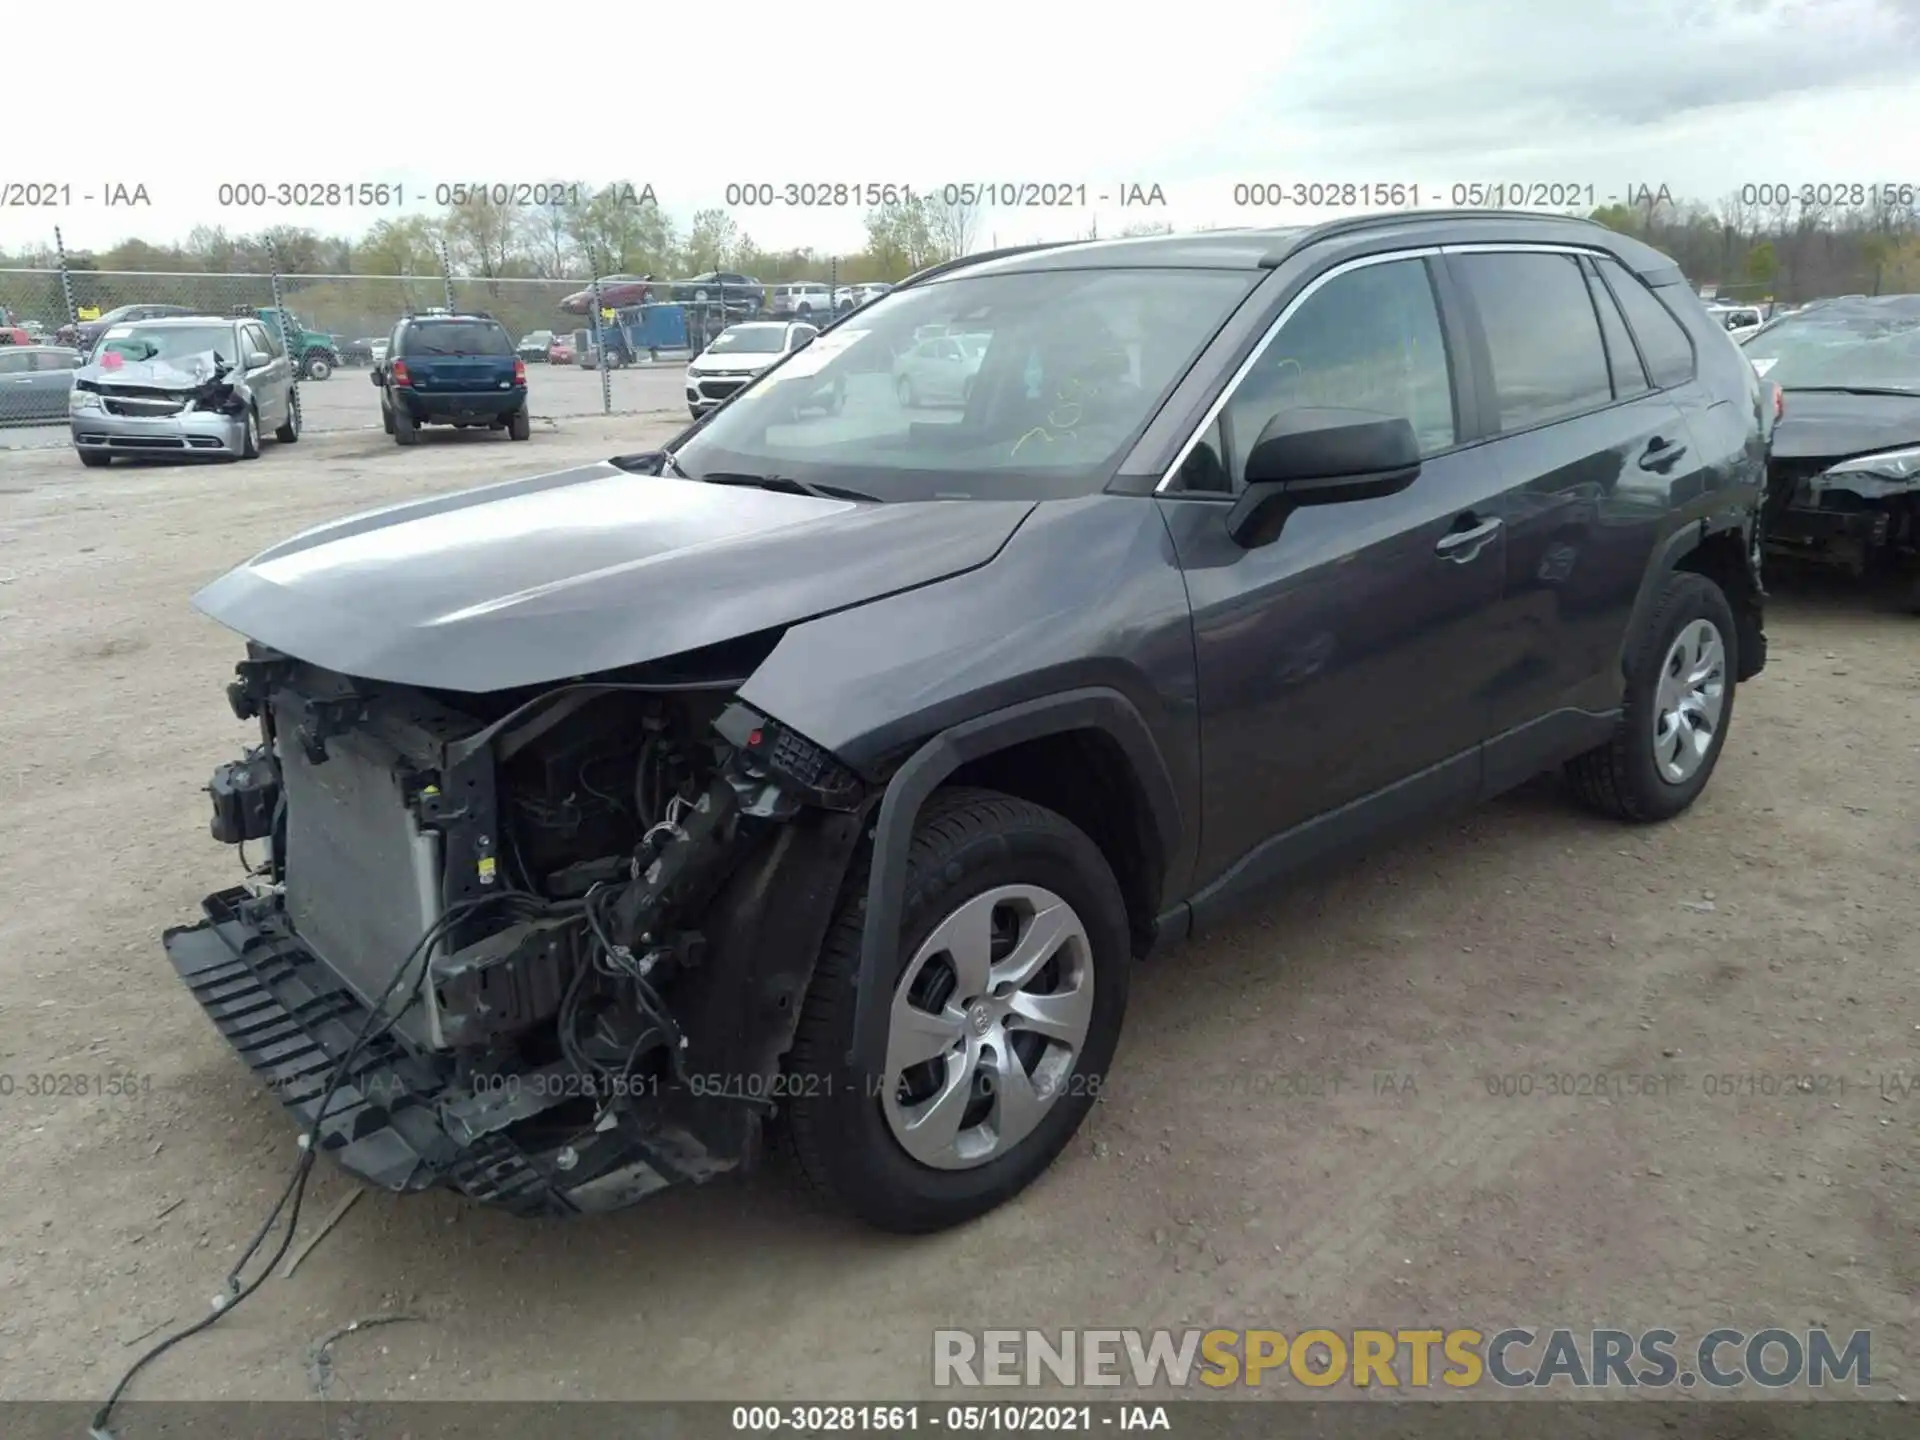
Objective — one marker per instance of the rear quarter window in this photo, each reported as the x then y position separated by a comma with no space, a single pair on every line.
458,337
1663,340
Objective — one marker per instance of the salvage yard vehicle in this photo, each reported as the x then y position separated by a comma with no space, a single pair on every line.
817,778
35,382
1844,480
736,356
202,387
457,370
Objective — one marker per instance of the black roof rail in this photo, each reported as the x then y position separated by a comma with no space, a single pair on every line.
1382,219
980,258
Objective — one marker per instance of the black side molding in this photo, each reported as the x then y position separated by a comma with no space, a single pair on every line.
1094,708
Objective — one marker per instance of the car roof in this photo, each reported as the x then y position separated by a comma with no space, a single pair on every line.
1266,249
179,322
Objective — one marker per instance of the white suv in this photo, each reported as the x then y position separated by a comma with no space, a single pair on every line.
801,298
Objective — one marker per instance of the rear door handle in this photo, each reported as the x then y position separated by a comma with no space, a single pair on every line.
1460,546
1661,453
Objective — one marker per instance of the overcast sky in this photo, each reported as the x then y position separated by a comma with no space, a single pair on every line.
1702,96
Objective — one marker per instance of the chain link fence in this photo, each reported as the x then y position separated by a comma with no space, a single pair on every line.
603,345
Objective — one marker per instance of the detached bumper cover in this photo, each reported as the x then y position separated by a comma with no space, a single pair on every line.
394,1121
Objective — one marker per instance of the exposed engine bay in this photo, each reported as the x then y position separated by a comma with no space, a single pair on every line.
625,881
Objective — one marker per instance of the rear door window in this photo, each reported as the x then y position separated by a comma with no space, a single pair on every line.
1543,338
458,337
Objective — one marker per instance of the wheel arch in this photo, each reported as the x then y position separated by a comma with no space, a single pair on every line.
1038,750
1722,548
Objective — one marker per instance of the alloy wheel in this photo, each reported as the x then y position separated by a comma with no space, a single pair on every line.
987,1024
1689,701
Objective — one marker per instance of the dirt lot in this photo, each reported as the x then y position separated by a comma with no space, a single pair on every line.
1768,934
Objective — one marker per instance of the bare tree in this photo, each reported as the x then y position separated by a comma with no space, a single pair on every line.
951,226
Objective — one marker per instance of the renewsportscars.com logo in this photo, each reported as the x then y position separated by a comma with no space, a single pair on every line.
1459,1358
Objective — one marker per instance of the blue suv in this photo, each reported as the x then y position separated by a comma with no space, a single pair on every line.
457,370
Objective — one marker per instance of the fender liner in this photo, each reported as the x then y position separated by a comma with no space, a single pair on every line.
1092,708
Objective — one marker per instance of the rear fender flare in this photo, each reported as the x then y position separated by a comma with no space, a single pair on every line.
1092,708
1674,549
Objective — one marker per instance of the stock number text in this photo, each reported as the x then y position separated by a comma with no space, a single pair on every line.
1843,192
817,194
295,194
1263,194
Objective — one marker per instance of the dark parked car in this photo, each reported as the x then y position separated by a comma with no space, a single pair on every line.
358,353
35,382
82,335
1844,483
457,370
820,775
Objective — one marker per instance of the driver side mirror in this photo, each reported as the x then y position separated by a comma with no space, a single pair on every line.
258,359
1320,456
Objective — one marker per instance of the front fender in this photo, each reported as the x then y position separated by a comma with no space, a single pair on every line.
910,786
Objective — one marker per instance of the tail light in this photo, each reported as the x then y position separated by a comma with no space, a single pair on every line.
519,372
399,372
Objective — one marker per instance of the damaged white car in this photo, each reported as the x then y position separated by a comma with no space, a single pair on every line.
187,386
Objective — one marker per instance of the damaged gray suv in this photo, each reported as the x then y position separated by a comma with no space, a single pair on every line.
818,777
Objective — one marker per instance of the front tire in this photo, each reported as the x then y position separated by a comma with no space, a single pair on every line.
1005,1003
250,437
1678,705
94,459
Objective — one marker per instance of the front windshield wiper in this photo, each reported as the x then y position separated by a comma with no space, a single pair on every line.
1851,390
785,483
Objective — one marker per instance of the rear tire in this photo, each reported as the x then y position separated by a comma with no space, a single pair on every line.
520,427
317,367
966,844
1656,763
405,432
386,419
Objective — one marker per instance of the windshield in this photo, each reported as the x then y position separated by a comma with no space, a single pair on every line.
750,340
1849,345
457,337
137,343
1019,386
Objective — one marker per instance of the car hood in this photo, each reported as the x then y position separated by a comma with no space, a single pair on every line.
582,571
738,362
1820,425
183,372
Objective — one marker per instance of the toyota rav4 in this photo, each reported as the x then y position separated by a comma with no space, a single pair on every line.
819,776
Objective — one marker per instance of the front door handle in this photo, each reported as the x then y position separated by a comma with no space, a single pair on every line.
1661,453
1461,546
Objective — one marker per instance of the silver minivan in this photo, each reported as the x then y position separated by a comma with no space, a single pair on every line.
192,386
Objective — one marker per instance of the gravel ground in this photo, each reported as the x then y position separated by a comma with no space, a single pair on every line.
1301,1129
